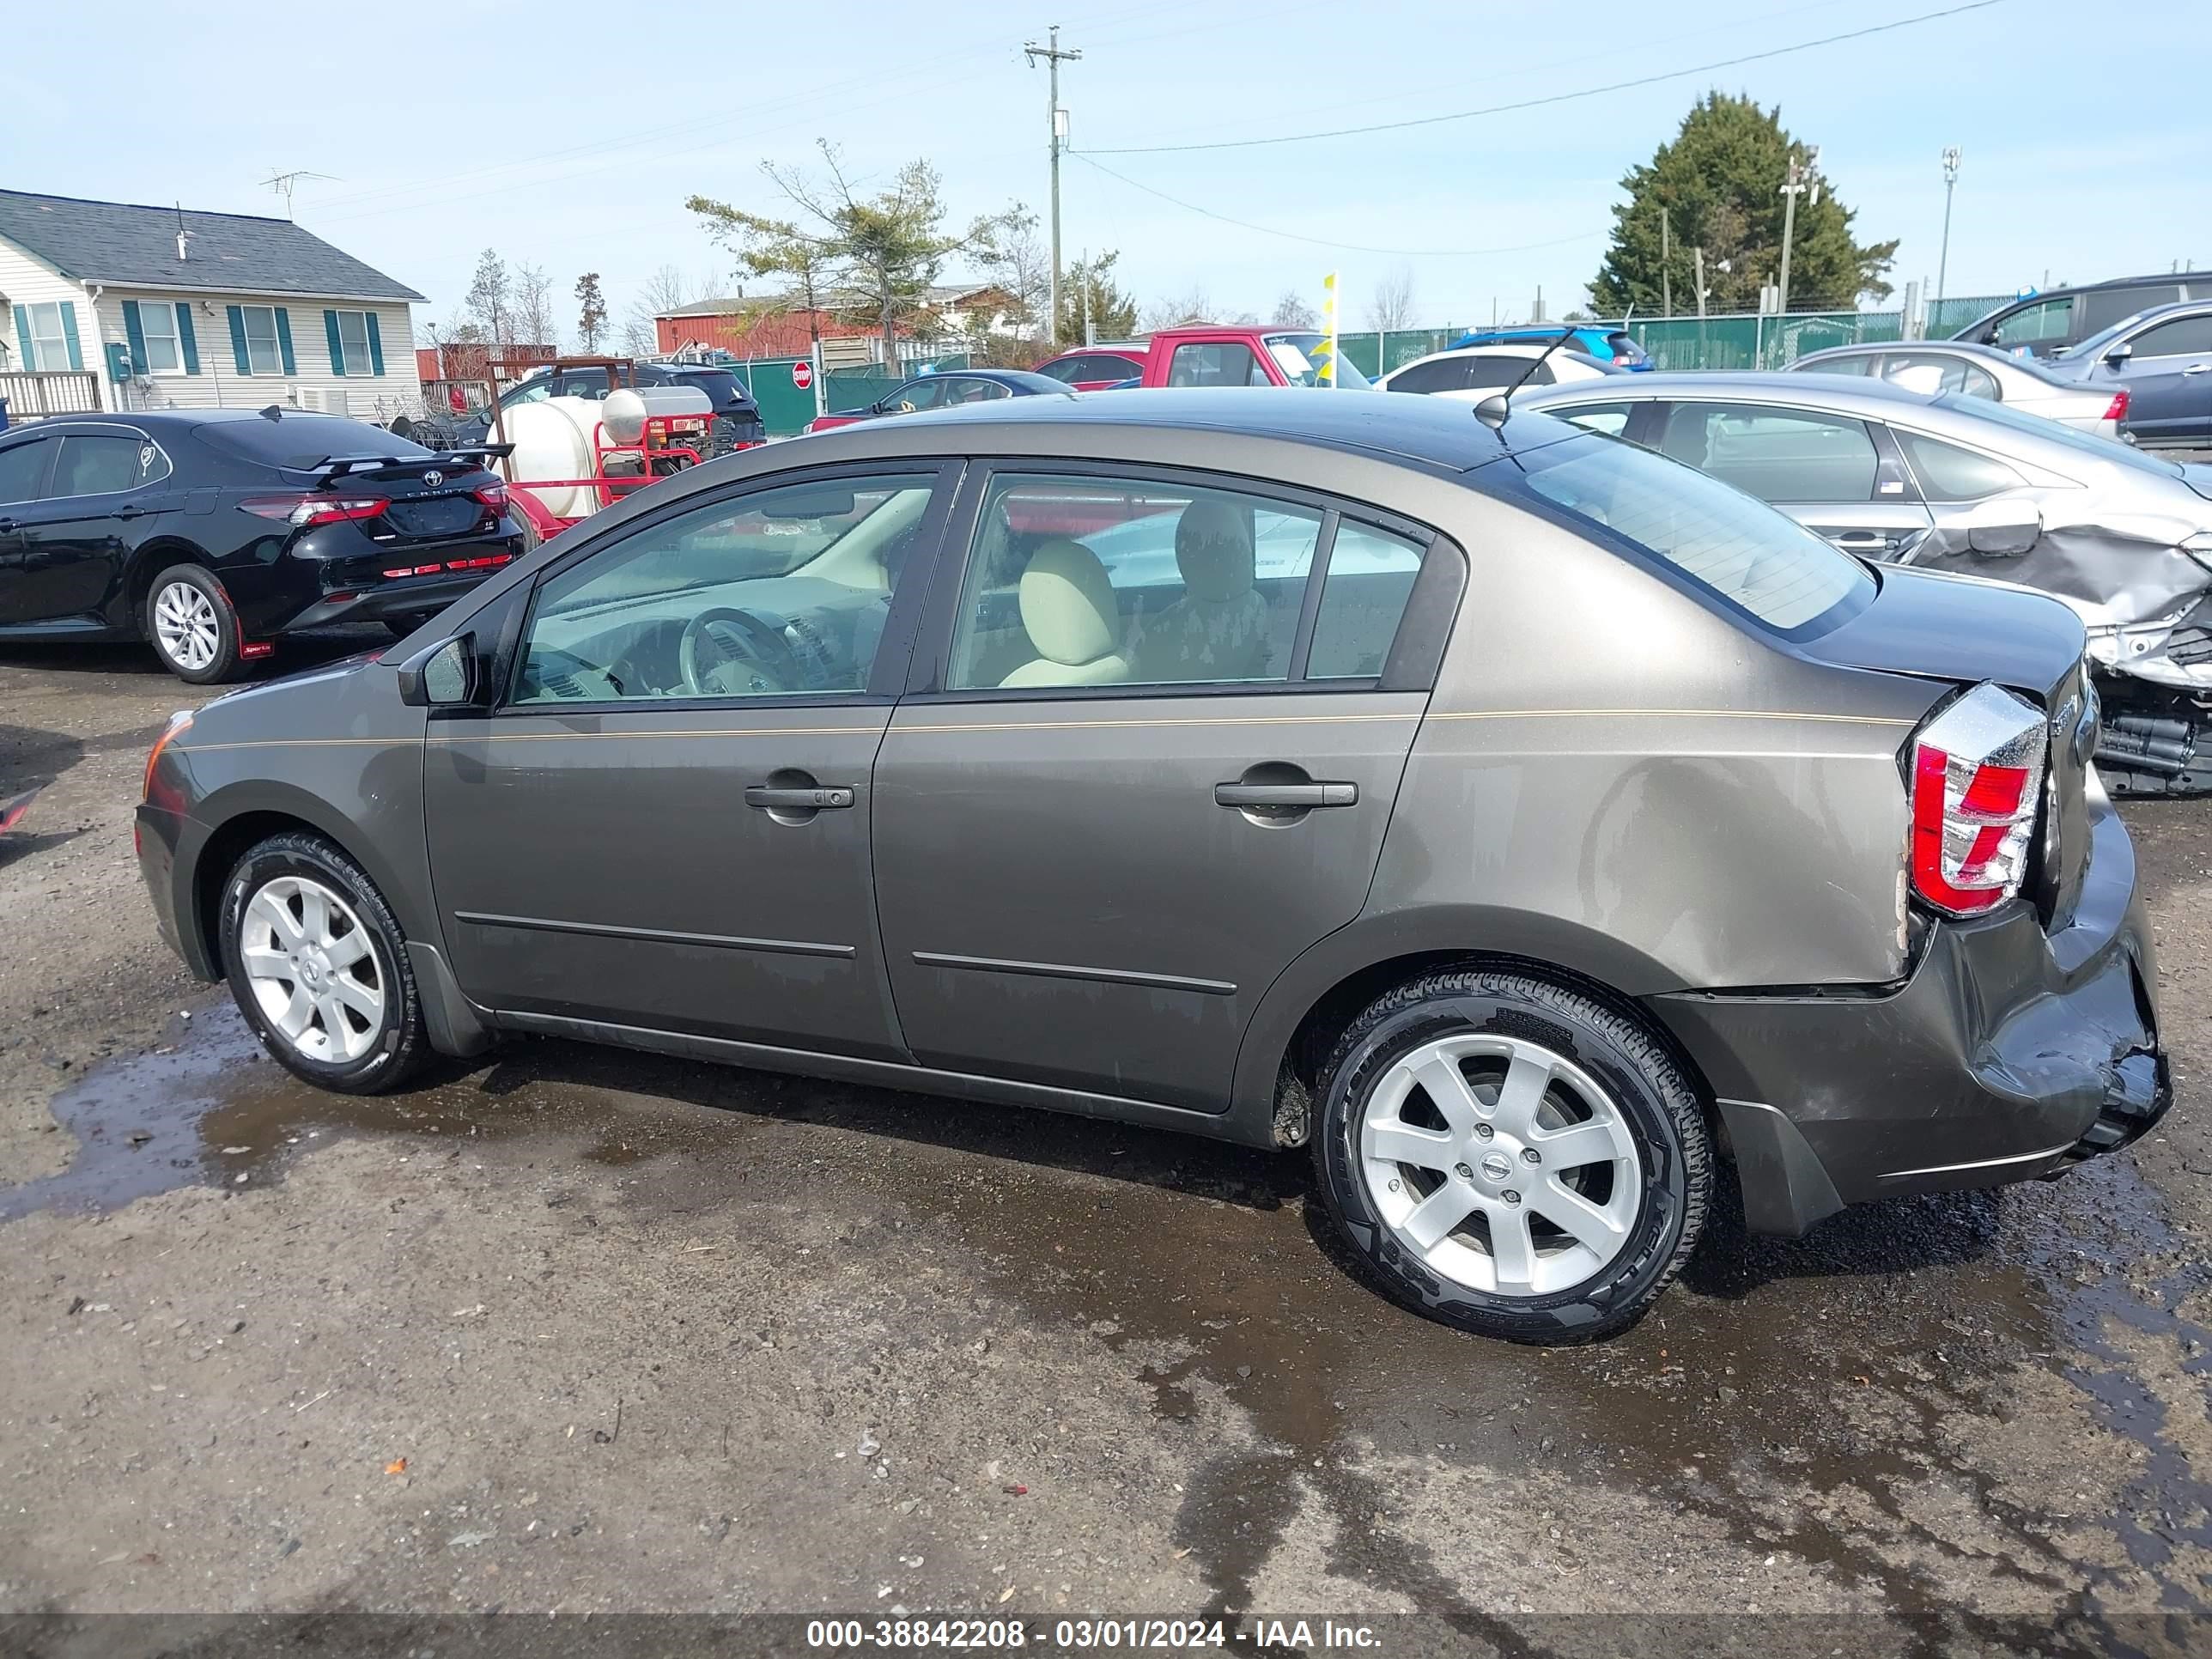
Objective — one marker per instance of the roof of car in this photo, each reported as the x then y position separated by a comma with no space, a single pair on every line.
1748,385
1022,379
1426,431
174,420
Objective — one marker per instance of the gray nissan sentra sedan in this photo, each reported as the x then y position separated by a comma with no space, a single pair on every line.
1523,820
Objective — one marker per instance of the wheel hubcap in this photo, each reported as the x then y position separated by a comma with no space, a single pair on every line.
308,959
184,623
1499,1164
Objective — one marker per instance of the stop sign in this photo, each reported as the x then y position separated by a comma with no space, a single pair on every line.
802,374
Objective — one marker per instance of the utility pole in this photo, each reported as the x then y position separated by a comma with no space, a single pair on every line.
1666,287
1801,179
1700,252
1056,133
1950,184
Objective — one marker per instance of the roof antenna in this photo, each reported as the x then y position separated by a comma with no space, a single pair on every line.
1492,411
183,236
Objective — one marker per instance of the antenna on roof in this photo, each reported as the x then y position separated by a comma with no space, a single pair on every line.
1493,410
285,183
183,236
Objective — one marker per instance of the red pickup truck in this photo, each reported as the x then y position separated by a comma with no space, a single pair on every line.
1209,356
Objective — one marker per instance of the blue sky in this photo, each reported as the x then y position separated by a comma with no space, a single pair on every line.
542,128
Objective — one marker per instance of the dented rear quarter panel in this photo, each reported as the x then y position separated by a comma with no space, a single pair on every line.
1616,777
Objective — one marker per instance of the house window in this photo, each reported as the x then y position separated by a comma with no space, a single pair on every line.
353,343
263,354
49,341
157,324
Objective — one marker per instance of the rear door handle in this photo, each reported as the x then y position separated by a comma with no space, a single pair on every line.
809,799
133,511
2197,368
1302,796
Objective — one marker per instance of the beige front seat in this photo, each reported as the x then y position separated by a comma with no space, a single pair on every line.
1218,629
1068,606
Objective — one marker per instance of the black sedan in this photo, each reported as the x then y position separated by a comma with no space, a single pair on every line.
947,390
207,532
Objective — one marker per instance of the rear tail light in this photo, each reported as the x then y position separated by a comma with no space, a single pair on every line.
304,510
493,496
1977,783
2117,408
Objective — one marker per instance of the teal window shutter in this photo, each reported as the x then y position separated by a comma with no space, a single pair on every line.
238,340
25,359
338,346
186,341
375,345
284,340
68,334
135,332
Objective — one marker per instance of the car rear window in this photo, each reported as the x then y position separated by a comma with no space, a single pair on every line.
299,441
1759,561
718,383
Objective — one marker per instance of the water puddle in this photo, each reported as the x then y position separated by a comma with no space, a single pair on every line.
1795,1395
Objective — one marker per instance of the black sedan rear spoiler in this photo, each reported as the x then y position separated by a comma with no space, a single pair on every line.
467,455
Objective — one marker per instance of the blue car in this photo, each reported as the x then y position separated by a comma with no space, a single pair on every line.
1601,341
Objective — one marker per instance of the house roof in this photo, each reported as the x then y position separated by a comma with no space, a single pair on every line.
233,252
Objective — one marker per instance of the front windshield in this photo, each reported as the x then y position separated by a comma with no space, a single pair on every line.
1758,562
1293,355
2109,450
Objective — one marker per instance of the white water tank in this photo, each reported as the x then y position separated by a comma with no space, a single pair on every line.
627,408
552,439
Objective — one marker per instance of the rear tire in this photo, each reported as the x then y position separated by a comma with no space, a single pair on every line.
1551,1195
318,966
190,624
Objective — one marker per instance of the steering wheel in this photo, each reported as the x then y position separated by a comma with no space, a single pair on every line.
728,653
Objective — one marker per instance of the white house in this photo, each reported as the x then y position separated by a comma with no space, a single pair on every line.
107,306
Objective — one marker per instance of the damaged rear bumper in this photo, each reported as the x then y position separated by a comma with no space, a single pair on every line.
2010,1053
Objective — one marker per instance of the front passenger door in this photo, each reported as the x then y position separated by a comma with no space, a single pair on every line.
663,821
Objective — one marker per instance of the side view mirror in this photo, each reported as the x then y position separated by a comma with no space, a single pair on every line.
2119,354
442,675
2003,528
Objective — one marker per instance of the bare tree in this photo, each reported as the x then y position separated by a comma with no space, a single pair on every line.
488,300
665,293
531,308
591,311
1194,304
1019,262
1291,310
1391,305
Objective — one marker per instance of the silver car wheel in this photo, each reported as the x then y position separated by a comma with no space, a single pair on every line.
185,621
1503,1167
307,956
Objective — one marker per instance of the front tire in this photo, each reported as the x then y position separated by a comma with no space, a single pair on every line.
317,965
1512,1157
191,625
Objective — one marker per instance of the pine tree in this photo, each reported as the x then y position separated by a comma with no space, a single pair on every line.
1719,182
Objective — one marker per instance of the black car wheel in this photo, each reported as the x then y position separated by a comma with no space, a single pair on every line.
319,967
191,625
1513,1157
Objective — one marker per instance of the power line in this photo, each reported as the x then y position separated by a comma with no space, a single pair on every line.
1322,241
1555,98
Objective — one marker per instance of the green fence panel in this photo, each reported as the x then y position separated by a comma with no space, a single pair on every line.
784,408
1947,317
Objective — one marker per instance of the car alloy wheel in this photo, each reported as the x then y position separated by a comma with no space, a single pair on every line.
1503,1167
185,624
313,969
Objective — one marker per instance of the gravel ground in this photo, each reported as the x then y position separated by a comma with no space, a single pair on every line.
580,1330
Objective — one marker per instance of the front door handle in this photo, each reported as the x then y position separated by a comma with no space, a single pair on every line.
1862,542
811,799
1301,797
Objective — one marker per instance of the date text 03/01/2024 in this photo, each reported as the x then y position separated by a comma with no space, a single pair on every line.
1165,1634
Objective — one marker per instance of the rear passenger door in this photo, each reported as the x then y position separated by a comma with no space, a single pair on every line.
1835,475
1153,741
